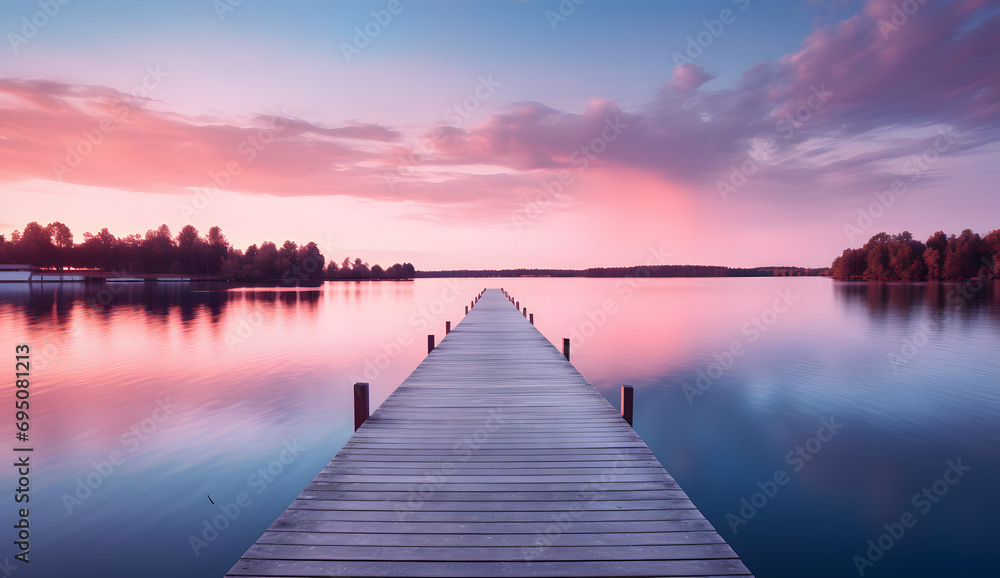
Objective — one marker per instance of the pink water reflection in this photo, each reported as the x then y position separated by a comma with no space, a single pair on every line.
237,376
661,324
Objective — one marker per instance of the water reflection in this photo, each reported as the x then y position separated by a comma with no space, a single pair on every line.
246,370
969,298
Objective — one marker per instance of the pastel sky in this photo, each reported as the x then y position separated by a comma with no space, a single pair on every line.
502,133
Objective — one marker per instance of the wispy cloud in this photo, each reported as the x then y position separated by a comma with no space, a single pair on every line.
863,77
888,86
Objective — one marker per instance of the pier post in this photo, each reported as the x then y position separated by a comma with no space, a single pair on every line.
531,318
360,404
466,309
566,347
447,327
525,312
430,343
627,395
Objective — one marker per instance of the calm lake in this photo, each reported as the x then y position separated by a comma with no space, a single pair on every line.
876,407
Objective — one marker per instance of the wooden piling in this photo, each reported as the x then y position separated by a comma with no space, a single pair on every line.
627,396
360,404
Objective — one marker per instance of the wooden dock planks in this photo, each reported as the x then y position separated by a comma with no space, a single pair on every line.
494,458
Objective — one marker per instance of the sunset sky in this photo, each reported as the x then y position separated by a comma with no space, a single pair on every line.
502,133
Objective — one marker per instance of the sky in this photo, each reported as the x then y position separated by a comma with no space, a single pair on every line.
502,133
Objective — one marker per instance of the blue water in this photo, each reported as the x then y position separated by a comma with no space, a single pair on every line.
196,391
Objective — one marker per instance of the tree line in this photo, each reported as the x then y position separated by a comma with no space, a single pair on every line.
702,271
636,271
188,253
902,258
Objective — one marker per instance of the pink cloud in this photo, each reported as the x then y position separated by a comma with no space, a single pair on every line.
533,136
872,72
938,67
688,77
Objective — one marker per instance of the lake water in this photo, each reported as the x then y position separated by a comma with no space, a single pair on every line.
856,397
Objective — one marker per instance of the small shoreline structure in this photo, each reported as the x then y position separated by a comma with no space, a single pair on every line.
20,273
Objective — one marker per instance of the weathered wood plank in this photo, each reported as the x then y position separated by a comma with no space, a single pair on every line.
467,553
564,506
292,516
447,569
477,540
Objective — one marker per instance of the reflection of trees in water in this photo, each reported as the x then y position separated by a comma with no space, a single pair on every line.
52,302
881,299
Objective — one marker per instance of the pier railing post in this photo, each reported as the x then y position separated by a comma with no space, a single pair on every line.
566,347
531,318
447,327
360,404
525,312
430,343
466,309
627,396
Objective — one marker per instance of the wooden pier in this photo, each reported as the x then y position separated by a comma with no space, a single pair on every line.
494,458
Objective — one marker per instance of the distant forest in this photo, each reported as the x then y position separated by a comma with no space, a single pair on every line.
899,257
186,253
636,271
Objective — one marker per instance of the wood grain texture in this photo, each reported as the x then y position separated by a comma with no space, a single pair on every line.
494,458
